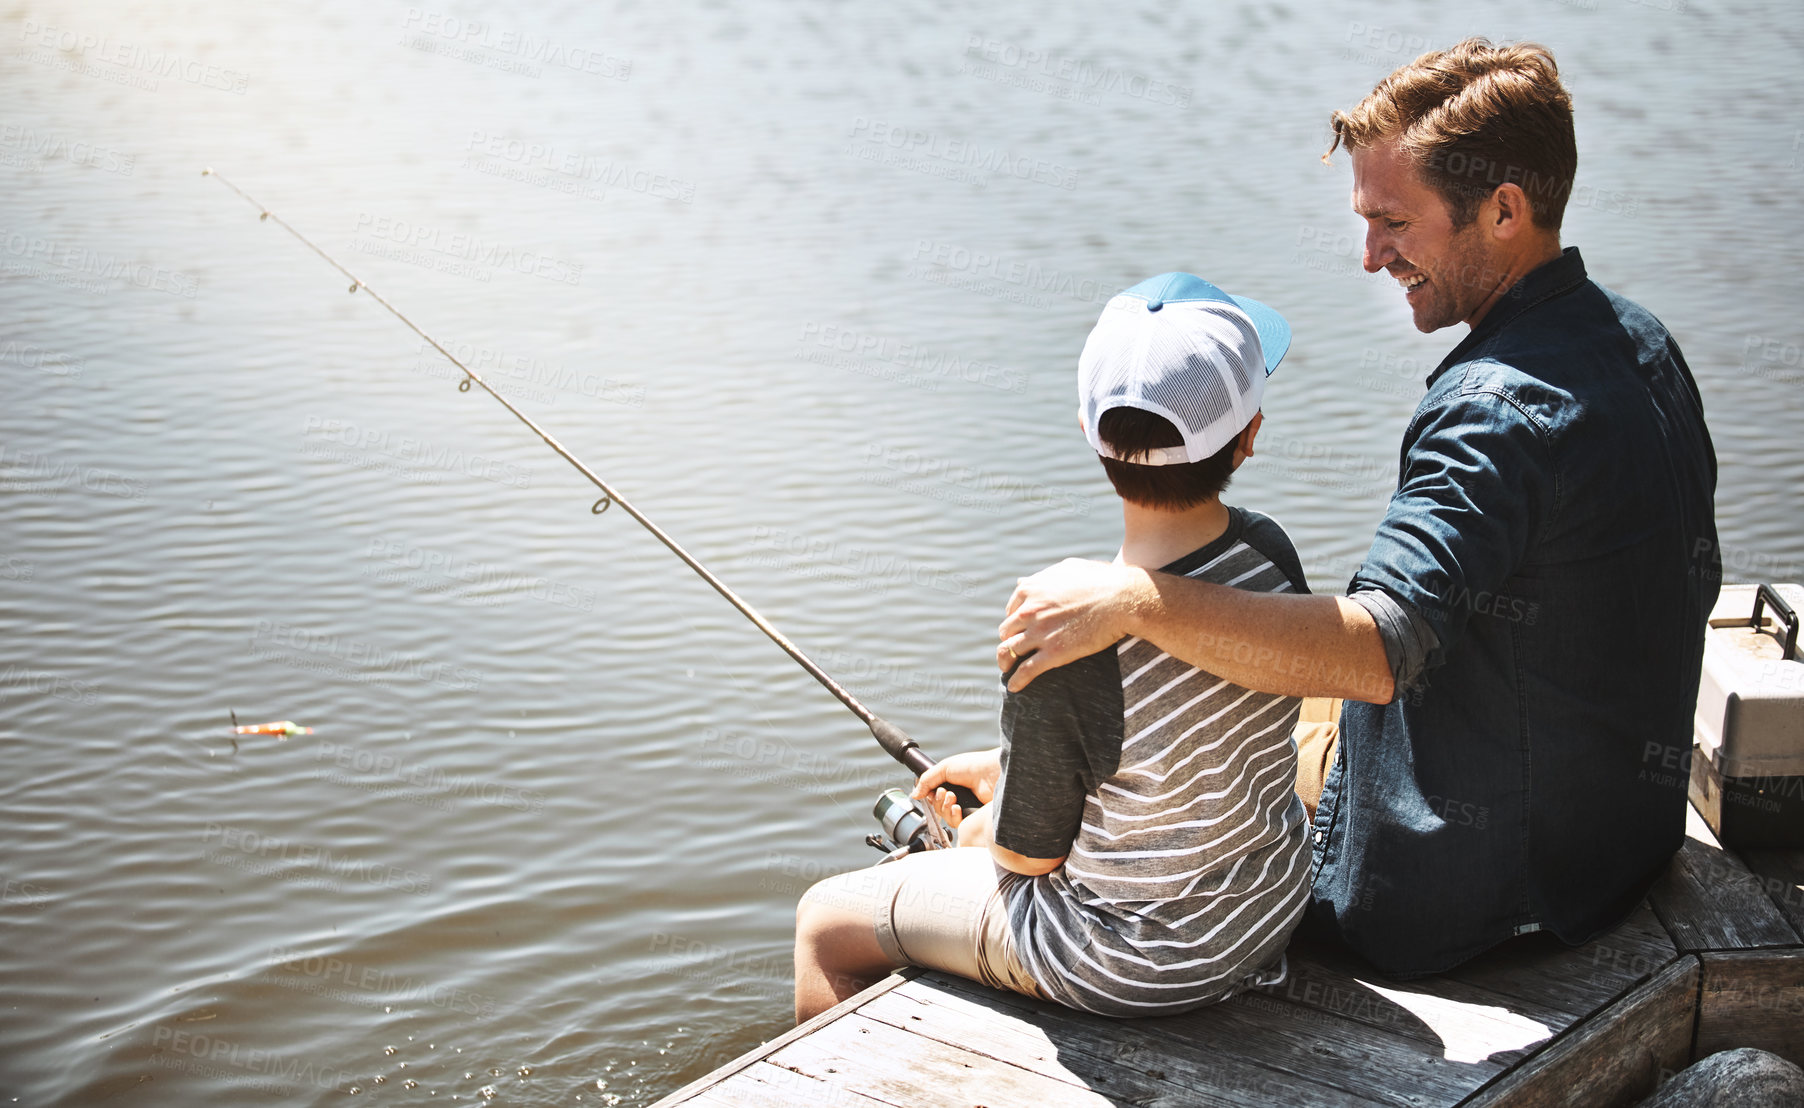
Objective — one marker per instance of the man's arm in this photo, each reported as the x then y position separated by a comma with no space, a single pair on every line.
1270,642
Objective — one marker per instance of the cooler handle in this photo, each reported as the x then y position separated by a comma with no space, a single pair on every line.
1782,613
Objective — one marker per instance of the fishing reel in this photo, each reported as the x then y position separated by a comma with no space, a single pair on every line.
909,825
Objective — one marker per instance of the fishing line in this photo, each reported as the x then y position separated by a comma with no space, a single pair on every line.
892,738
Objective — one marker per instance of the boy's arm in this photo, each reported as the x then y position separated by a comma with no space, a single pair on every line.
1044,831
1022,864
1060,738
1272,642
975,830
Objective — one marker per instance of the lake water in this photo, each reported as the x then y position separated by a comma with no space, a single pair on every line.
807,283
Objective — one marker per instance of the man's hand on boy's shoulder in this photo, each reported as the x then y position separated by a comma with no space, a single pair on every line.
1066,612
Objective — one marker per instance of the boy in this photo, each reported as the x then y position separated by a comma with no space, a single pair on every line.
1142,849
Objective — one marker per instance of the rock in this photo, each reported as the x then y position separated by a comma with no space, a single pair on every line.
1741,1078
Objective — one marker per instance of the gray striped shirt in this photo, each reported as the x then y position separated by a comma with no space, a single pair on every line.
1171,791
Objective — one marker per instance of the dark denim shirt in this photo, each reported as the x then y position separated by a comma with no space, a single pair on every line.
1553,526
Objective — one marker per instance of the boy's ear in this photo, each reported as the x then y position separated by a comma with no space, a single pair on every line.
1243,446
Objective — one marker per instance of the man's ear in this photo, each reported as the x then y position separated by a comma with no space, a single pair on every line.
1506,211
1243,445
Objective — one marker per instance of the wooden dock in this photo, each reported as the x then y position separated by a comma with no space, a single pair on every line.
1713,959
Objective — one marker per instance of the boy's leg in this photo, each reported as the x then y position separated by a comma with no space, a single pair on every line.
943,909
837,953
1317,734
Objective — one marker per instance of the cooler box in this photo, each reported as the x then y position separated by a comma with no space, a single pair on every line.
1747,764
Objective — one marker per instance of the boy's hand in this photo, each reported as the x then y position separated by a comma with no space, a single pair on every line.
1064,613
945,805
977,770
974,830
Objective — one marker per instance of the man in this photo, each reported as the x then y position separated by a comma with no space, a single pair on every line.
1521,646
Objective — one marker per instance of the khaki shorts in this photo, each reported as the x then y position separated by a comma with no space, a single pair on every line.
943,909
1317,735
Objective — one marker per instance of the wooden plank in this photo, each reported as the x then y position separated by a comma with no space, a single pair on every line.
1307,1045
1112,1057
1708,900
1616,1057
762,1085
1538,971
1752,998
1335,1033
799,1031
886,1063
1461,1020
1324,1047
1781,874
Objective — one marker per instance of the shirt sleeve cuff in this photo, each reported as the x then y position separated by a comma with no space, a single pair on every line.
1408,640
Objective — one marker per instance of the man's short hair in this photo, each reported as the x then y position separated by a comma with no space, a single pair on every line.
1133,431
1473,117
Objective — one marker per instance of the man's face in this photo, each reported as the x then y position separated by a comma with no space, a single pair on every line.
1447,275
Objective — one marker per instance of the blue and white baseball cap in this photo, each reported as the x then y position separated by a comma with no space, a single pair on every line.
1179,347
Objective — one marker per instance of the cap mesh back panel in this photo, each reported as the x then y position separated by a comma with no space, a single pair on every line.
1178,361
1243,373
1191,384
1105,370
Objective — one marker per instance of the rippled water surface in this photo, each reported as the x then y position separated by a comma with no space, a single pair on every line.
807,283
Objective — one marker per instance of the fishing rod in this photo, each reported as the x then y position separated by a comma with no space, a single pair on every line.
891,738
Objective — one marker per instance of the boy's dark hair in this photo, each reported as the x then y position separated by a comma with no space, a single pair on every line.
1133,431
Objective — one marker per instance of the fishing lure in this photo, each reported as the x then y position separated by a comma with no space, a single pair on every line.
283,728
